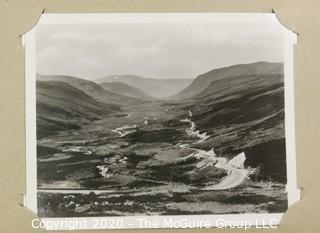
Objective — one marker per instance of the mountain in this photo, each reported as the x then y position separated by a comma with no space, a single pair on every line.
204,80
91,88
126,90
61,106
243,113
158,88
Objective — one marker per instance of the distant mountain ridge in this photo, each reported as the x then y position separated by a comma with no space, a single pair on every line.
203,81
91,88
126,90
158,88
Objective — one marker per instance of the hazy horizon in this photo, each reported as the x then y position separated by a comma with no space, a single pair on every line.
95,79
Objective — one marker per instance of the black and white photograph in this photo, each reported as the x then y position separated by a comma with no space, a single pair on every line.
161,117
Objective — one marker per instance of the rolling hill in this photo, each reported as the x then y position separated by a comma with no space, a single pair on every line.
204,80
61,106
92,89
158,88
126,90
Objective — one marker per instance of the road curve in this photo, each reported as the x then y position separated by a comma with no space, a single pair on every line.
236,174
234,178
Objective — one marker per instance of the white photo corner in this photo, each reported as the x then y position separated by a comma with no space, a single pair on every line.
159,120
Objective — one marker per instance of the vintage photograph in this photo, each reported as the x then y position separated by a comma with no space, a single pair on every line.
160,118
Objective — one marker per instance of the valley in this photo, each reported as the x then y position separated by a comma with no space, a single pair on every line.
219,151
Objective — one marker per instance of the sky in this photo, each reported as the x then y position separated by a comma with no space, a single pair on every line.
154,50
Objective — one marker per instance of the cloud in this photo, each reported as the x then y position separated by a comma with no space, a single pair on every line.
154,50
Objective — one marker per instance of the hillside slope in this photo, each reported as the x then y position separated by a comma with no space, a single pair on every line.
244,114
91,88
62,107
126,90
204,80
158,88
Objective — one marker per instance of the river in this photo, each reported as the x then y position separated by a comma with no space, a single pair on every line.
236,173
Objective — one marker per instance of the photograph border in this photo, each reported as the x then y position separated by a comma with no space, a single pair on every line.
29,42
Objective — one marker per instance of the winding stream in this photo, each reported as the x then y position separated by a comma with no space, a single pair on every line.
234,167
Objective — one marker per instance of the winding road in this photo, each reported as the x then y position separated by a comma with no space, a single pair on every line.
234,178
235,168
